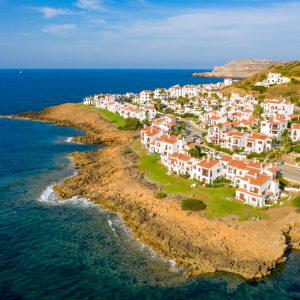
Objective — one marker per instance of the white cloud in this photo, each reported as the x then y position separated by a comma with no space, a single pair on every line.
50,12
90,5
59,28
210,35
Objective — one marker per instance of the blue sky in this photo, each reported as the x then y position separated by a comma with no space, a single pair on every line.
145,33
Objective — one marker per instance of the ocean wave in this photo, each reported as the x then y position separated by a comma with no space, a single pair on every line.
69,139
115,222
49,197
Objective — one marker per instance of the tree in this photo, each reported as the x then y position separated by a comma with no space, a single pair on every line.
258,110
158,104
132,124
285,141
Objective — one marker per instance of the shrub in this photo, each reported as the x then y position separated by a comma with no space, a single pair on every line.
297,149
259,156
222,179
160,195
127,151
282,182
185,176
296,201
132,124
192,205
260,89
214,185
297,159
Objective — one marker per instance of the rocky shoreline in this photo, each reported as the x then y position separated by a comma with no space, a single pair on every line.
111,178
238,69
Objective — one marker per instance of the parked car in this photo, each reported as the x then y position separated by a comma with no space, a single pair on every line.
204,151
217,155
198,141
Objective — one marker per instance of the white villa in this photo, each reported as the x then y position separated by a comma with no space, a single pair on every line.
273,78
258,142
274,107
295,132
274,127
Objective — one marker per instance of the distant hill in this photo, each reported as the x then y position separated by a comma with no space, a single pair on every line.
238,69
290,91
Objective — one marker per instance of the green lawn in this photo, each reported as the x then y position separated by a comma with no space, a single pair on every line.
220,201
296,201
108,115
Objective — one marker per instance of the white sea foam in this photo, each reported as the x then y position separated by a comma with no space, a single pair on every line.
116,223
49,197
69,139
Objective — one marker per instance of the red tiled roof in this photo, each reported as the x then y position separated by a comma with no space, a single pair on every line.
207,164
168,139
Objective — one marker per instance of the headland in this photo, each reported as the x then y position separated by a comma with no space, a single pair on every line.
111,177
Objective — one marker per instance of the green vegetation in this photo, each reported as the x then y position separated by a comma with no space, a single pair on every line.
131,124
219,148
111,117
296,201
161,195
196,152
192,205
122,123
297,148
258,110
260,89
260,156
220,201
290,91
179,130
285,141
284,183
127,151
214,185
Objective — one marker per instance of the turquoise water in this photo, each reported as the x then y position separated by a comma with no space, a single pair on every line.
75,250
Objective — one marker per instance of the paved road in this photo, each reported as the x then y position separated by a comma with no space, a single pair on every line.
194,131
289,172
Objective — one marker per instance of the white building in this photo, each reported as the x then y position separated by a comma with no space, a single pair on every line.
175,91
274,107
228,81
295,132
273,78
258,142
161,94
167,145
207,170
274,127
145,97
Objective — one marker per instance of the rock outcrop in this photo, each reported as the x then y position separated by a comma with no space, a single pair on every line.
238,69
111,178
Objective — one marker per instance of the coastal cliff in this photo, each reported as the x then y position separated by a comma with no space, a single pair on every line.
111,178
238,69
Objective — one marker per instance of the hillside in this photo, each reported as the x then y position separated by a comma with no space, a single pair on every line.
238,69
290,91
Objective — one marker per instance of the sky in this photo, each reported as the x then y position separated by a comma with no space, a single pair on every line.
186,34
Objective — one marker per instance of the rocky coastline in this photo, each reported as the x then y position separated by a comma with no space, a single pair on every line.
238,69
111,178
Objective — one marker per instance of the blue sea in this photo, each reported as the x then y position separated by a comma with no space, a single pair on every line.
75,249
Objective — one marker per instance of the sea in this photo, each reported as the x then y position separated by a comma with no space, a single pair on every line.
75,249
